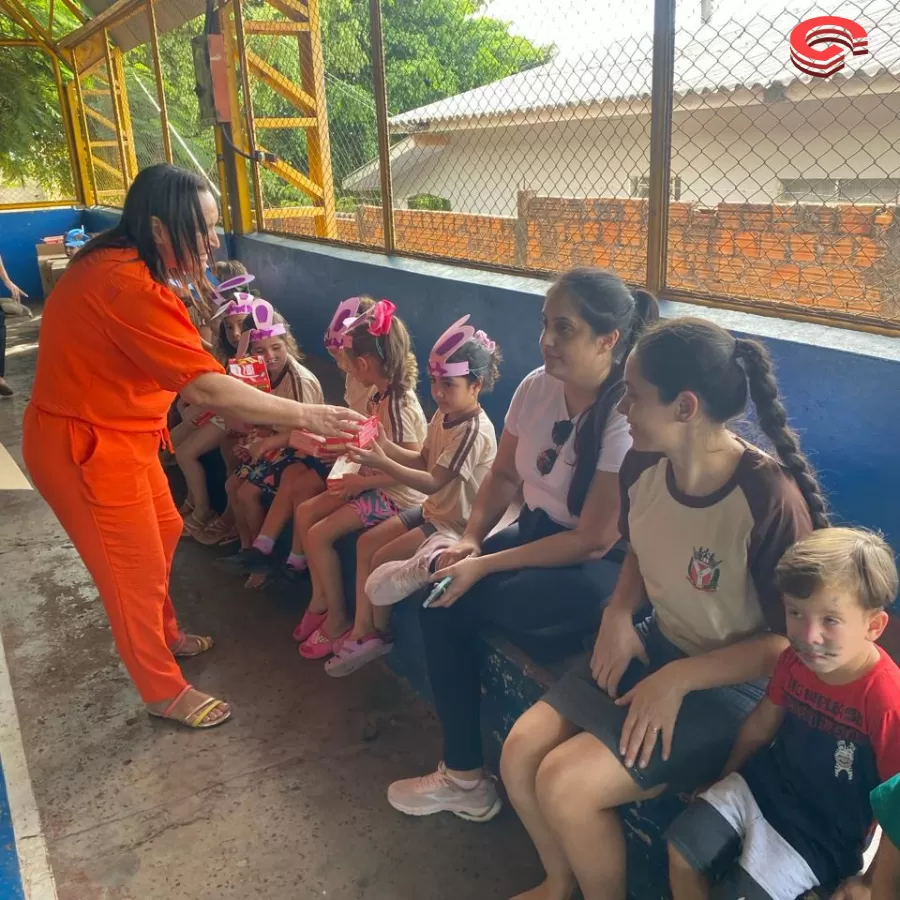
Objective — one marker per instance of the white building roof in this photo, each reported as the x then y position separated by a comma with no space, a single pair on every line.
711,59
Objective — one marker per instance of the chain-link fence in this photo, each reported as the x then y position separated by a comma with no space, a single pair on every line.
520,138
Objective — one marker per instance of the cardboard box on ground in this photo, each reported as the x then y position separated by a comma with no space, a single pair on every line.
52,262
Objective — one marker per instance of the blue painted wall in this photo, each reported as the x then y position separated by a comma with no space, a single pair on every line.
20,231
838,384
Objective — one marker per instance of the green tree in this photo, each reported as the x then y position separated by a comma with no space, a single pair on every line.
32,140
433,49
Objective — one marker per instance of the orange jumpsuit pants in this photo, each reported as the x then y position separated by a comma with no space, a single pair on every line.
110,494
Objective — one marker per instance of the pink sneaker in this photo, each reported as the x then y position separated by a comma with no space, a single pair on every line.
318,645
308,624
438,792
350,654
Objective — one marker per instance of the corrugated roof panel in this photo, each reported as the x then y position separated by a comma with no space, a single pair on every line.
712,59
169,14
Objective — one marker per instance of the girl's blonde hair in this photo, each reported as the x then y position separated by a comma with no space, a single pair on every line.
850,559
392,350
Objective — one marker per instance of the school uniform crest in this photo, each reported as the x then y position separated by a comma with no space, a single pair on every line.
703,570
843,759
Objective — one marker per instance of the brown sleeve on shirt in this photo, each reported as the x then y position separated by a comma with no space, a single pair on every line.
780,518
636,462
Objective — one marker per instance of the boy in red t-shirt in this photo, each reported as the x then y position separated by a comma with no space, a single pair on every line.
792,811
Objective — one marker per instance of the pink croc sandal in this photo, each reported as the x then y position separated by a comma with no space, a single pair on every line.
318,645
308,624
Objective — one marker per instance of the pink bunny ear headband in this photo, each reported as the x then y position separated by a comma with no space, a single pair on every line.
458,334
263,315
377,320
344,314
240,305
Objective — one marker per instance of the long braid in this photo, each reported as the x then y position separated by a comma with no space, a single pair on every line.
773,421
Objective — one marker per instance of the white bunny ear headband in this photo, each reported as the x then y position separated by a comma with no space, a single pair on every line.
343,315
458,334
240,304
263,314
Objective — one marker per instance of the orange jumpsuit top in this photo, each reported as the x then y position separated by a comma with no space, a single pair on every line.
115,346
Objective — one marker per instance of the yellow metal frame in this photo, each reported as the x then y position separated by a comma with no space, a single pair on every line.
301,21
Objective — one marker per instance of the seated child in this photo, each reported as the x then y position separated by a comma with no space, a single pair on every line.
199,431
459,450
296,482
263,453
379,355
792,811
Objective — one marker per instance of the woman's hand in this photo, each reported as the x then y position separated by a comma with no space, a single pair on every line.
17,293
330,421
374,458
465,574
464,548
653,706
617,644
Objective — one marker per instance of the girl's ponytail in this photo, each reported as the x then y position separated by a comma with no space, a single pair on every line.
773,421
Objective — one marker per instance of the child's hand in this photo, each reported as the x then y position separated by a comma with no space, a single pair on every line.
856,888
351,486
374,458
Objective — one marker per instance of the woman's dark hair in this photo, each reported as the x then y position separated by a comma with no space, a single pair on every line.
173,196
484,363
607,305
393,350
723,372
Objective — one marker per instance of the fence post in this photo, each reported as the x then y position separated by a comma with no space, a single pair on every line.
661,103
160,82
523,199
381,115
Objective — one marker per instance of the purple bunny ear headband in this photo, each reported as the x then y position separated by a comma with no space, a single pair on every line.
240,305
263,314
458,334
343,315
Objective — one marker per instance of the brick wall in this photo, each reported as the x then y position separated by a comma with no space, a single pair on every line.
827,257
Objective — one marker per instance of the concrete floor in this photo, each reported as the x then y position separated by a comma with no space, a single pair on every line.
287,800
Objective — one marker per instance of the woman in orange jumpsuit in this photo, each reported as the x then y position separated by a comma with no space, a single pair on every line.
116,346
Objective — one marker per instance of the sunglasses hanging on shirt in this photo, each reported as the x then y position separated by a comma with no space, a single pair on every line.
561,432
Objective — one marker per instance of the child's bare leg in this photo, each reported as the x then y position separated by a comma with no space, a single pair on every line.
306,515
386,542
250,500
685,882
298,484
579,785
232,489
188,454
325,565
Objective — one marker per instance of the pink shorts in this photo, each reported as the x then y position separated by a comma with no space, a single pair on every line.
373,507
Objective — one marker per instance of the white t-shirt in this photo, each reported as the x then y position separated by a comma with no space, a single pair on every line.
467,449
540,402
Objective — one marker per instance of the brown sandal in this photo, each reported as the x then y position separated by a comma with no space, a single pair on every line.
197,717
203,644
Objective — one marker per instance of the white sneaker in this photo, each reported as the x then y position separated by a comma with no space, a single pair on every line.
438,792
394,581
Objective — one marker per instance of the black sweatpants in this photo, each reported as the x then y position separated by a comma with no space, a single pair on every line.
527,605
